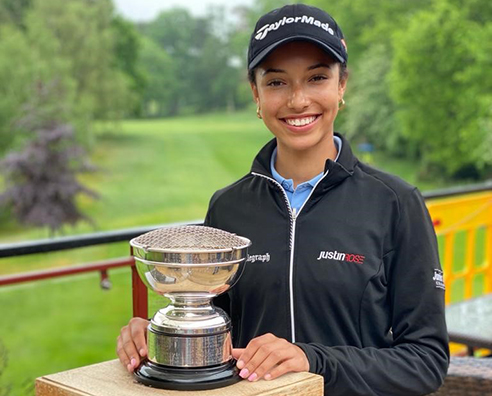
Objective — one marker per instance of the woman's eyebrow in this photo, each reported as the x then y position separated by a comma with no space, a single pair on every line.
318,65
272,71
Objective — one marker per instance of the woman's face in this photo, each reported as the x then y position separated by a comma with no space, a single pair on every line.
298,90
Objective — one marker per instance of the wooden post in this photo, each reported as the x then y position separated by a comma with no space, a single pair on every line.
140,296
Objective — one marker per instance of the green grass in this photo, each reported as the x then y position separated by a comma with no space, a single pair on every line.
55,325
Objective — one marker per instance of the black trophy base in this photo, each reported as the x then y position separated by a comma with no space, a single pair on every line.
165,377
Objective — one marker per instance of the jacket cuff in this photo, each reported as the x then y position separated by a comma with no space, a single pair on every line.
310,354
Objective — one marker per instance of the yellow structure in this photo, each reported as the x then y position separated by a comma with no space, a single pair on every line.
463,226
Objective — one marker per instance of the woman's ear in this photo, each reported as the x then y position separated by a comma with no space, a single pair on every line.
254,90
342,83
341,88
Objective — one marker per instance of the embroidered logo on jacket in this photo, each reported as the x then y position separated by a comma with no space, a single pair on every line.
439,279
348,257
264,258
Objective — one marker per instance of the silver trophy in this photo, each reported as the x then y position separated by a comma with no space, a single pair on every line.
189,341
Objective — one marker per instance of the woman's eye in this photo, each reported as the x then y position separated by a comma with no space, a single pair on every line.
275,83
318,78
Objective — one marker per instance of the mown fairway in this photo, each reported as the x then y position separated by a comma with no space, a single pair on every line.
150,172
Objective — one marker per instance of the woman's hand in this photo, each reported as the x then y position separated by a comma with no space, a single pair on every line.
132,343
269,357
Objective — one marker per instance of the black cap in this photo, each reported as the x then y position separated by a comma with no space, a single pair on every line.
295,22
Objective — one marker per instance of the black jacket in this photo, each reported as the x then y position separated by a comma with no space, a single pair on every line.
353,278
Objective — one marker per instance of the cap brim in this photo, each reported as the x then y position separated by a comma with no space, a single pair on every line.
263,54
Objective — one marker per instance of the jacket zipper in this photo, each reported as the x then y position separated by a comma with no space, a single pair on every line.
293,218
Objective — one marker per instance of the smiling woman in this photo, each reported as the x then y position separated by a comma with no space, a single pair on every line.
347,288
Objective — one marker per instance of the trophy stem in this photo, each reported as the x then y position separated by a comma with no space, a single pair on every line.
196,307
190,300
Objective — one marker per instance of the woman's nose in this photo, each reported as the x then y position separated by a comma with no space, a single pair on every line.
298,100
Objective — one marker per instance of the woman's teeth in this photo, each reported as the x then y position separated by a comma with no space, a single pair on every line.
300,121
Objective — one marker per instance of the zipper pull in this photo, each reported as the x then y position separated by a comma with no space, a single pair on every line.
294,213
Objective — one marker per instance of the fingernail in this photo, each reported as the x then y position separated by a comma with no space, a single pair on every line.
142,352
253,377
133,362
268,377
129,367
244,373
240,364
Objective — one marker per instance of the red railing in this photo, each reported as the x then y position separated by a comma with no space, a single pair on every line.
139,291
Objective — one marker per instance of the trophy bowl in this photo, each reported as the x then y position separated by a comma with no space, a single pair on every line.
189,341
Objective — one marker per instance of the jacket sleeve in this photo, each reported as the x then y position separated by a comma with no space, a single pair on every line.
417,361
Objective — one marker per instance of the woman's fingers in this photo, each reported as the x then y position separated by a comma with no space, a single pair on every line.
244,360
131,343
269,356
126,350
124,359
296,363
267,361
138,328
237,352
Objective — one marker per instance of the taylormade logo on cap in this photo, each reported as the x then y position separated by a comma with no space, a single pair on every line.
262,33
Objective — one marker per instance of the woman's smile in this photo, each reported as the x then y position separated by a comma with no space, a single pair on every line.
301,123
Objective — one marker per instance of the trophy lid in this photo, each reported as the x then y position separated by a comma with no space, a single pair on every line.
191,245
189,259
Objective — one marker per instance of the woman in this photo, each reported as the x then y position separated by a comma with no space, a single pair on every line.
347,288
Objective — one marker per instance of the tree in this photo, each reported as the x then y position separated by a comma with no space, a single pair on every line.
24,62
13,11
207,72
367,22
84,32
181,36
160,71
17,69
127,49
370,115
441,82
217,73
41,184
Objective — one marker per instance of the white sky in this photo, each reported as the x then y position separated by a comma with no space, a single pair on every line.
145,10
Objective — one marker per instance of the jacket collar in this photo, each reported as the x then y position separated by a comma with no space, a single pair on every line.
337,171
